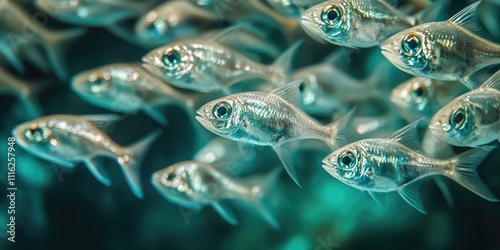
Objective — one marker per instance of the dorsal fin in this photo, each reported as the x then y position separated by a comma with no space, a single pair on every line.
229,36
407,136
469,20
290,92
493,82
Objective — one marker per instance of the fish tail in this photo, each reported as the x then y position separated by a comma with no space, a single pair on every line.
281,69
338,130
260,197
464,171
56,44
131,161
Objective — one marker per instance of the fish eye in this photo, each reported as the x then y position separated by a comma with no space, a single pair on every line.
171,58
347,160
171,177
457,119
222,110
37,134
331,15
418,93
98,84
411,44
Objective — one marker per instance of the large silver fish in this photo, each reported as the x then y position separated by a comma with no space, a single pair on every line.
422,97
359,23
101,13
207,65
472,119
452,50
388,165
269,119
173,21
195,185
69,139
22,34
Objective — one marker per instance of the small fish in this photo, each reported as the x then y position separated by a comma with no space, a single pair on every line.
452,50
208,65
21,32
195,185
173,21
472,119
97,13
25,92
269,119
387,165
359,23
422,97
68,139
129,88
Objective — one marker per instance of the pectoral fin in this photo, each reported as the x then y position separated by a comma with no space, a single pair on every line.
98,171
225,212
410,193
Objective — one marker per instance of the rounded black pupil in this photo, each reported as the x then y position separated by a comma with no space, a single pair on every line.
171,177
419,91
412,43
302,87
332,15
346,160
222,111
458,117
171,56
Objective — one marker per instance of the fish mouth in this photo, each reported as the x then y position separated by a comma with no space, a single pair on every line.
311,29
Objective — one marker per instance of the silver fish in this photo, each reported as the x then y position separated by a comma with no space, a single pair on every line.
99,13
69,139
472,119
358,23
173,21
22,31
195,185
422,97
387,165
25,92
208,65
269,119
452,50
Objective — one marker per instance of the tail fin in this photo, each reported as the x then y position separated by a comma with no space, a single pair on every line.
260,196
131,162
464,171
29,98
338,130
281,69
56,44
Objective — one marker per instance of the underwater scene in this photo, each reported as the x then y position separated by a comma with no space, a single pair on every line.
249,124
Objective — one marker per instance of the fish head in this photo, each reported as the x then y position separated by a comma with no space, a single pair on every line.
100,87
349,165
174,63
412,51
413,98
37,138
331,21
176,184
455,122
157,25
222,116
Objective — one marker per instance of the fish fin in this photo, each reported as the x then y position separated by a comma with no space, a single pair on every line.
290,92
338,130
102,121
55,46
478,77
431,13
468,19
131,162
12,58
411,194
444,190
66,164
333,57
225,212
98,171
378,197
493,82
464,171
156,115
282,68
229,36
284,152
260,196
28,98
408,136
